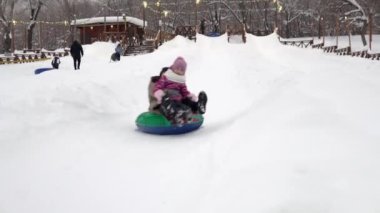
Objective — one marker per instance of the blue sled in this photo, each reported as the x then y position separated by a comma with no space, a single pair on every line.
41,70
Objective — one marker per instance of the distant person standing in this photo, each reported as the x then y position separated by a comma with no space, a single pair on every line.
203,26
76,51
119,51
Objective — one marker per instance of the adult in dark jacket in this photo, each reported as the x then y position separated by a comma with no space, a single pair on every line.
76,51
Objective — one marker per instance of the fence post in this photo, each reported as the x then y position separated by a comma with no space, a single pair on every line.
348,31
337,29
323,31
39,33
13,25
370,31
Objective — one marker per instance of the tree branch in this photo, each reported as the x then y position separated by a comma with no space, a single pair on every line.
359,9
229,8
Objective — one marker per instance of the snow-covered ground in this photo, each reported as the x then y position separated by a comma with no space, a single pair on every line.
287,130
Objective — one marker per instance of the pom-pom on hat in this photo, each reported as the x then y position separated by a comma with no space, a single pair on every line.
179,66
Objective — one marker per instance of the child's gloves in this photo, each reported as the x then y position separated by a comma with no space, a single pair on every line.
158,95
192,97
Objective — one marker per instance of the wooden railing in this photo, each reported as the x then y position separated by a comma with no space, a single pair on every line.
22,58
318,46
27,56
343,51
150,34
331,49
298,43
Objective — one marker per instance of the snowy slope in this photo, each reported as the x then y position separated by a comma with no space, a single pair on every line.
287,130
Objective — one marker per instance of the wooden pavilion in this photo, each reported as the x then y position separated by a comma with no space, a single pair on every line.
128,30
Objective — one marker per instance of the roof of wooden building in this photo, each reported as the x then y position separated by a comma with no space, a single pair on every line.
108,20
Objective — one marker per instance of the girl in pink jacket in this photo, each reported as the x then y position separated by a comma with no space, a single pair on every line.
172,93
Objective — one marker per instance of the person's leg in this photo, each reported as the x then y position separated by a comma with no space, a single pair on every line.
197,107
174,111
75,63
193,105
79,59
183,113
202,101
167,107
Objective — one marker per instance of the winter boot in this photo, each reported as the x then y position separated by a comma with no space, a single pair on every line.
202,101
167,107
187,114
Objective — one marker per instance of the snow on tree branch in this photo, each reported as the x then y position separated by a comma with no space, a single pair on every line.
359,10
229,8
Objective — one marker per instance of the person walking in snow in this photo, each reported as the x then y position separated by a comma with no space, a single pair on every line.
119,51
76,51
170,91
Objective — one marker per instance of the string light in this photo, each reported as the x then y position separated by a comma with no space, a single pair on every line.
14,22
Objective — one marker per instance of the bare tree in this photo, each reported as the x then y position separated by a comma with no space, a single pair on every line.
298,17
34,7
6,17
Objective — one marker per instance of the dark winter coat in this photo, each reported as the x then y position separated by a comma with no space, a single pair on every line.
119,49
76,50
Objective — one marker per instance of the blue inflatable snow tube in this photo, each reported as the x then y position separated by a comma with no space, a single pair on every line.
154,123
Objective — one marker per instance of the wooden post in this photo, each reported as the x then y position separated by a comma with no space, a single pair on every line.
323,31
118,30
25,36
75,27
84,35
279,26
337,29
13,35
276,16
160,21
370,30
144,17
349,32
196,16
39,34
104,27
319,27
312,30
